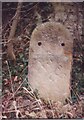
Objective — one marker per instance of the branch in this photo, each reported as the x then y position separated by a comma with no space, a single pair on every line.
12,33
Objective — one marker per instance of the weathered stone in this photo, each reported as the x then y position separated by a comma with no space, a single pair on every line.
50,61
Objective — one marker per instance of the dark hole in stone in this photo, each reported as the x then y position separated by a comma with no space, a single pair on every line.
62,44
39,43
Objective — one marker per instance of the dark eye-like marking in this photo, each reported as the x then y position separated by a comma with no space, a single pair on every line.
39,43
62,44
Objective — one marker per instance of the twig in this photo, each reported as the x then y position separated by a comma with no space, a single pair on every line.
10,77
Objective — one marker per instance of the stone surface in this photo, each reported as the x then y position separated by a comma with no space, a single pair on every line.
50,61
